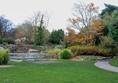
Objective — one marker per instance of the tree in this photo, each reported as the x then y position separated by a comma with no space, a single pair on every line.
113,28
35,19
108,10
26,30
110,20
87,36
5,25
94,32
57,36
84,14
71,37
30,28
40,33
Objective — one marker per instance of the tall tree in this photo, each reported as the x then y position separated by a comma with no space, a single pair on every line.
87,36
35,19
113,28
40,33
109,9
110,20
84,14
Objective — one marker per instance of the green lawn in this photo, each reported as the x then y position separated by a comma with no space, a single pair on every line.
114,62
64,71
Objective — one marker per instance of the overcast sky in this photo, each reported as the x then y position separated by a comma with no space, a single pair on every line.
60,10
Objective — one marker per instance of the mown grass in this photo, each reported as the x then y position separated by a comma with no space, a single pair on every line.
64,71
114,62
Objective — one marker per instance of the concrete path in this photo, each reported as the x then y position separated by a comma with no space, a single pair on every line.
104,64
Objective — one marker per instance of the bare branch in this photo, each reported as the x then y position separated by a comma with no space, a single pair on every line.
84,14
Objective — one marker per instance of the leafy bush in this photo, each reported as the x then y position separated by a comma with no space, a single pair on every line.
66,54
89,50
4,57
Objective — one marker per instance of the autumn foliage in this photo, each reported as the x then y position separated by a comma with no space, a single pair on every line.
86,35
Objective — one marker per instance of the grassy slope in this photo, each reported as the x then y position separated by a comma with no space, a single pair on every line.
62,72
114,62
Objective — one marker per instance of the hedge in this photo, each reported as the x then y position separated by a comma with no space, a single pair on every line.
89,50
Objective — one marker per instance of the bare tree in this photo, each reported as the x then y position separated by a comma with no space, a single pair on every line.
29,27
25,30
5,25
84,14
47,17
36,19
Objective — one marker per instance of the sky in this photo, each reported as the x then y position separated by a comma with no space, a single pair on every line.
59,10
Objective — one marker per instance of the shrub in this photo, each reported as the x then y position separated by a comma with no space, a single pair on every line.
106,42
73,48
4,57
66,54
54,51
89,50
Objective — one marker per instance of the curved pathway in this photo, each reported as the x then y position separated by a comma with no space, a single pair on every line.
104,64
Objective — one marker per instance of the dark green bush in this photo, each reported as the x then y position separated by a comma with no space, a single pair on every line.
89,50
8,41
66,54
1,40
4,57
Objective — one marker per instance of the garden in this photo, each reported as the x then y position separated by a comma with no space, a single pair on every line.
30,53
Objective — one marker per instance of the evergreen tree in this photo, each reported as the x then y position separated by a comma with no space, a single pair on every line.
108,10
57,36
40,33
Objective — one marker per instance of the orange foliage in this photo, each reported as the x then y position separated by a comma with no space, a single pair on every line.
86,36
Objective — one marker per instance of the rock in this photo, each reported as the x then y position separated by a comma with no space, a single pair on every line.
32,50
